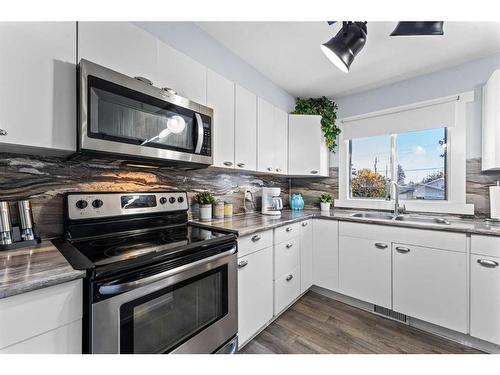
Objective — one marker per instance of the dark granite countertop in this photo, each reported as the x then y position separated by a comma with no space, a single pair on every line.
34,267
246,224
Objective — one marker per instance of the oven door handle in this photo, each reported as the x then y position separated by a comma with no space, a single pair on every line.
108,289
199,141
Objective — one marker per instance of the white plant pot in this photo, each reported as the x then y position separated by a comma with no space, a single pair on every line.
205,212
325,206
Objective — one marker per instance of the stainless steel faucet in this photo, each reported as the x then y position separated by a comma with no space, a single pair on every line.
397,209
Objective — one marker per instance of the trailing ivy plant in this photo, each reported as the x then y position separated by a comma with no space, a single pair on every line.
328,112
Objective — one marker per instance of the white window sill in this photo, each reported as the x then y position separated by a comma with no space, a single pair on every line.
443,207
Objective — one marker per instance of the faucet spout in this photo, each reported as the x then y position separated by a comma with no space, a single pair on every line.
388,193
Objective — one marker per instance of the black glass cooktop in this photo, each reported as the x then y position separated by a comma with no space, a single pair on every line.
162,242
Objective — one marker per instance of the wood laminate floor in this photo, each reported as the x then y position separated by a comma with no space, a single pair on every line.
318,324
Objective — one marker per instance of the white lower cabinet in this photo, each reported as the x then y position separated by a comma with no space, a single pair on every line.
47,320
430,284
365,269
255,293
286,266
286,289
326,254
485,289
306,255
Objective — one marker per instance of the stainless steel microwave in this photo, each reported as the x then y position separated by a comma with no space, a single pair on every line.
130,118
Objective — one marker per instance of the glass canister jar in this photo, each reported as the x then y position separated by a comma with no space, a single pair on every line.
219,209
228,209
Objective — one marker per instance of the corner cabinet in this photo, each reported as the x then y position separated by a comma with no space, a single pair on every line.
38,58
307,151
326,254
491,123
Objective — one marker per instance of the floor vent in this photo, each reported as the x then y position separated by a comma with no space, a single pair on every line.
391,314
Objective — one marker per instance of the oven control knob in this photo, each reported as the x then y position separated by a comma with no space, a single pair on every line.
163,200
180,199
171,200
97,203
81,204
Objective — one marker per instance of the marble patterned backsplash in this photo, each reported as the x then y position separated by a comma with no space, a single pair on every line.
45,180
477,187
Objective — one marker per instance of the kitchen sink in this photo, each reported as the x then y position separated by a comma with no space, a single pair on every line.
430,220
373,215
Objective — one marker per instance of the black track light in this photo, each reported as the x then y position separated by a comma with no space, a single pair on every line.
418,28
344,46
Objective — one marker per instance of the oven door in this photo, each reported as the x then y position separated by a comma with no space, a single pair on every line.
189,309
121,115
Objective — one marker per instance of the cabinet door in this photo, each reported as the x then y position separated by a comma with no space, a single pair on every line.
286,289
485,298
38,85
306,255
430,285
245,137
265,137
280,139
181,73
120,46
365,270
308,154
255,293
325,254
220,97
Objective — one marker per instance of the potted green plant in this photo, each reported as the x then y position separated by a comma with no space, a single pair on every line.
205,200
325,201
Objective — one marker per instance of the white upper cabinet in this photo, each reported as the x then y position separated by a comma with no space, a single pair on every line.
272,138
280,141
307,151
38,86
245,137
120,46
265,136
491,123
220,97
181,73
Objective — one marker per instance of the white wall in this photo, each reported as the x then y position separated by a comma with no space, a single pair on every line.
466,77
188,38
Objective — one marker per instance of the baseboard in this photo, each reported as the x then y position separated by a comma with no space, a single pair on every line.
446,333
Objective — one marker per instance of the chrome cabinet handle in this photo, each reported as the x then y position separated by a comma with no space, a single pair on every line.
402,250
289,277
3,132
242,263
289,245
256,238
304,224
228,163
241,165
487,263
289,229
380,245
314,172
278,169
269,169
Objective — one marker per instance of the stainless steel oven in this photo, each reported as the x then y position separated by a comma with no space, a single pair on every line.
188,309
130,118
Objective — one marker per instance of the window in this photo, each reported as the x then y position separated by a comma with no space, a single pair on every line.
417,162
422,146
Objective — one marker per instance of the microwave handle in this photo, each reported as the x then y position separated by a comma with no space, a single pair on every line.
199,124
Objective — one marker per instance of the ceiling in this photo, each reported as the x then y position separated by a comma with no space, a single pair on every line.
288,53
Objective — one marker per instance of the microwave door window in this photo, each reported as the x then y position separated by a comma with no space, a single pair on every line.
124,119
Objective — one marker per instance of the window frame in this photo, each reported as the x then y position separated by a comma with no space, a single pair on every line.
455,163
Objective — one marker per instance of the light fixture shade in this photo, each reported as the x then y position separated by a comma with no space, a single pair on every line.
418,28
343,47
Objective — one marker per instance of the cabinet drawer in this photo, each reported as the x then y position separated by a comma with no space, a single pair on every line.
485,245
485,298
286,289
286,257
30,314
286,232
254,242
